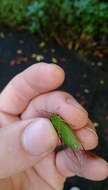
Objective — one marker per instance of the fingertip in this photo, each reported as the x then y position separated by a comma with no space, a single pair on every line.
73,112
87,137
96,169
82,119
76,117
85,165
56,72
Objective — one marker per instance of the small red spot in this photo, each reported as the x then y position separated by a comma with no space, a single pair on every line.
13,62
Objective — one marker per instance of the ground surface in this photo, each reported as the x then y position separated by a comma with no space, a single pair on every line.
86,81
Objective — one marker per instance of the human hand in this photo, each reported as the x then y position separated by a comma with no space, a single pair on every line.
28,140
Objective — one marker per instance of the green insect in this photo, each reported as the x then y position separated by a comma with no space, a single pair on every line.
65,133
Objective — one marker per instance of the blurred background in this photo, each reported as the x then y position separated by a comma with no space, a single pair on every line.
72,34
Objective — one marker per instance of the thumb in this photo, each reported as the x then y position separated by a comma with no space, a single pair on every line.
24,143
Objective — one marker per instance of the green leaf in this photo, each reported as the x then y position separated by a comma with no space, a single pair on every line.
65,133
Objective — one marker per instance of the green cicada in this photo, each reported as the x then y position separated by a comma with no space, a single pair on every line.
65,133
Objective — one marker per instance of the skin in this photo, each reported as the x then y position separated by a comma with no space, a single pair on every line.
28,139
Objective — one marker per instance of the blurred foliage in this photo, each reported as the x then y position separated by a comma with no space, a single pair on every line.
13,12
89,16
75,23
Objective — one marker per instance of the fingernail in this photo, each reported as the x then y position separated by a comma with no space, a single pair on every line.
39,137
92,130
75,103
87,131
88,138
91,124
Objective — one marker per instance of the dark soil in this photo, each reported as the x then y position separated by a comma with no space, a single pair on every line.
85,81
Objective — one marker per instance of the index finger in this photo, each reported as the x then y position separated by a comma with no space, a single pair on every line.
35,80
60,103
